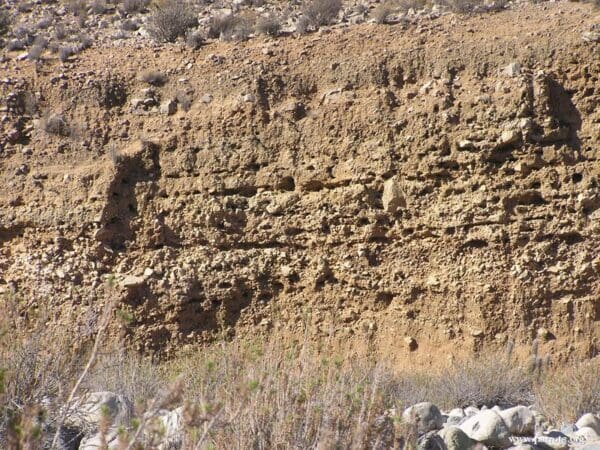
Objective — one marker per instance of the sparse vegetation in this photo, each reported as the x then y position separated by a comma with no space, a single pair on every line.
153,77
129,25
302,25
319,13
195,40
382,12
38,47
270,25
220,25
98,7
470,382
184,99
60,32
65,52
56,124
111,91
465,6
259,395
77,7
5,22
231,27
134,6
407,5
568,393
171,20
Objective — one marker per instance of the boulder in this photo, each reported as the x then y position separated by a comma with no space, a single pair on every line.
425,416
488,428
98,442
455,417
541,421
90,409
455,438
470,411
431,441
393,198
586,434
554,440
589,420
519,420
168,425
589,446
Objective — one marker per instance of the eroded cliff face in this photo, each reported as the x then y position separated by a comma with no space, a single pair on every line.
417,187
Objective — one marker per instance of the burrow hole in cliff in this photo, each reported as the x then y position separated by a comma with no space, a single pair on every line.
475,243
577,177
287,184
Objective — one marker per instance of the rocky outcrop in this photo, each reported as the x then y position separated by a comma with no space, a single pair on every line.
377,185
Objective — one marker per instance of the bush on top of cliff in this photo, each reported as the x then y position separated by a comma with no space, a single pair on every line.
319,13
170,20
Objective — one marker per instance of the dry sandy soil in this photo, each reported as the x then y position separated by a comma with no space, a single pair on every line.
419,190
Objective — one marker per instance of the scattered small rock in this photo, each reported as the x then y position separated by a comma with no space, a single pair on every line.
393,198
168,107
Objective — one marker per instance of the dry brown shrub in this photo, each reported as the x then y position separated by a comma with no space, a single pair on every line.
382,12
170,20
321,12
270,25
153,77
566,393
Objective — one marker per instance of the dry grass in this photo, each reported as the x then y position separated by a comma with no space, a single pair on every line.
270,26
134,6
382,12
319,13
194,40
269,397
39,362
230,27
55,124
567,393
153,78
111,91
170,20
5,22
258,394
471,382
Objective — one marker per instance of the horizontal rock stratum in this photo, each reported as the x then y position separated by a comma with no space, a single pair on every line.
414,188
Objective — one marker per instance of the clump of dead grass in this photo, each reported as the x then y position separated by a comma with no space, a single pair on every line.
153,77
170,20
255,394
568,392
382,12
319,13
